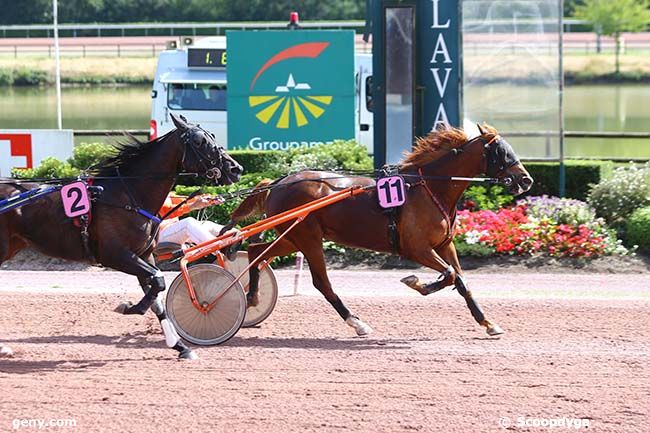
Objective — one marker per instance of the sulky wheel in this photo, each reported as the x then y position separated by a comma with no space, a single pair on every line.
268,289
221,322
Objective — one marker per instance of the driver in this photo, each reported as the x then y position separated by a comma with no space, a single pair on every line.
187,230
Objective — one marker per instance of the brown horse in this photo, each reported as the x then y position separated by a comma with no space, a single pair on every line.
122,232
424,224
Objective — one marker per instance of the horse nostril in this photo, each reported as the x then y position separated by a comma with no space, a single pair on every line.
526,181
236,169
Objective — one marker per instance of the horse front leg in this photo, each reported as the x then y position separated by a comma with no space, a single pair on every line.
448,252
430,259
172,339
153,284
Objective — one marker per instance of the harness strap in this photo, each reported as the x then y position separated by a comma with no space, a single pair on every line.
84,223
393,233
175,208
450,222
146,214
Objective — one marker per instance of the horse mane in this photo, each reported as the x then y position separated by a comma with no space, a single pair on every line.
127,151
436,144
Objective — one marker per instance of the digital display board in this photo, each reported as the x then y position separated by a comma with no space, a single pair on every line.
206,58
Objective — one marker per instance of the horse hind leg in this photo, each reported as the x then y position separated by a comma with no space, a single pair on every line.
449,253
282,248
313,252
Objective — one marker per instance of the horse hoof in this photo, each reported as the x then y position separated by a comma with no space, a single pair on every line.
494,330
410,281
188,354
123,307
253,302
6,352
361,328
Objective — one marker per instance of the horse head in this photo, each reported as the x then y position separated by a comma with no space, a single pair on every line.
202,155
502,162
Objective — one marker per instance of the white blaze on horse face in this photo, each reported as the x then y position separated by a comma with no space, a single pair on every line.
359,326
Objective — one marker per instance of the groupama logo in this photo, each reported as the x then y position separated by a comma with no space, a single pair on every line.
292,102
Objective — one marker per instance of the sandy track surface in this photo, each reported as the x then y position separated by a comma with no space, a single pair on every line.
426,368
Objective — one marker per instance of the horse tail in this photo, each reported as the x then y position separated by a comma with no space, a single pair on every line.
252,205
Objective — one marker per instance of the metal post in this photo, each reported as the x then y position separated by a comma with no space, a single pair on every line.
59,120
562,180
298,275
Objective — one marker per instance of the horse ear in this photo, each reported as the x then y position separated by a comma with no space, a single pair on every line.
480,129
179,121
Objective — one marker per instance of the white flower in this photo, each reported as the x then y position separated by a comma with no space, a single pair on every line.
474,236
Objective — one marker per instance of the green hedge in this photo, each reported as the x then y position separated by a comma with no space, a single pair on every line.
637,229
255,161
580,175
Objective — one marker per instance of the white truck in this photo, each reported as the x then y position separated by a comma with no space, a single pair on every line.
192,81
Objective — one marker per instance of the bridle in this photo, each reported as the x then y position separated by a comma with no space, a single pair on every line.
496,164
211,159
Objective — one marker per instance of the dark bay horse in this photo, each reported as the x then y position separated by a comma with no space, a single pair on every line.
123,229
425,223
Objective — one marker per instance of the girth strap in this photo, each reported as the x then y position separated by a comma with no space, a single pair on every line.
393,232
449,220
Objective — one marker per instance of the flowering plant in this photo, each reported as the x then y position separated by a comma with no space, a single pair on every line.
617,197
539,225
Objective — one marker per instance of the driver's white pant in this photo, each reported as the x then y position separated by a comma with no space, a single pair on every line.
189,230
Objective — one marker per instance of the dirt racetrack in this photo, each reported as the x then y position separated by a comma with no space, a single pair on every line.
574,348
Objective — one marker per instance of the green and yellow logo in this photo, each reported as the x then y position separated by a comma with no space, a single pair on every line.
292,102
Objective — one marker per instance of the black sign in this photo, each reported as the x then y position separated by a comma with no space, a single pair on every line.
206,58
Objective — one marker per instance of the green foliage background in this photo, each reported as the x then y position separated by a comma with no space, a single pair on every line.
638,229
116,11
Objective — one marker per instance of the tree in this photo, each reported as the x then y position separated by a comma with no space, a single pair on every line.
25,12
613,17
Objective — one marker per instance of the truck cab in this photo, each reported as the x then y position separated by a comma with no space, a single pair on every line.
363,100
192,81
